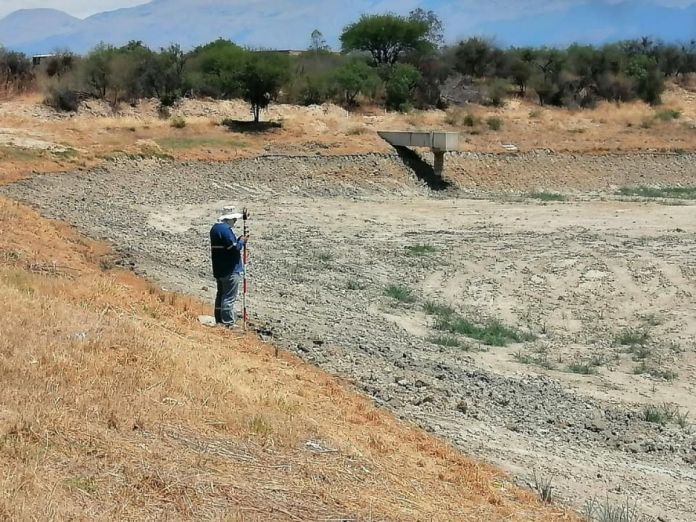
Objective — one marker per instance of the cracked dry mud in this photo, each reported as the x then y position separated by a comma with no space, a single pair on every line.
579,275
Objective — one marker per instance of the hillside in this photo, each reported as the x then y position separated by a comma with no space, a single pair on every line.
21,28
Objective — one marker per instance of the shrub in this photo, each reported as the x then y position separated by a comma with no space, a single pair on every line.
403,79
667,115
582,368
630,337
438,310
400,293
420,250
655,371
491,333
494,123
178,122
647,78
470,120
164,112
664,413
497,90
606,511
357,130
452,118
655,414
63,99
16,74
354,78
544,487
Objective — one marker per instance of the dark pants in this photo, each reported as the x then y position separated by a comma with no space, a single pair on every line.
227,290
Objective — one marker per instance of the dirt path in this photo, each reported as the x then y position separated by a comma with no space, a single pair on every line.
606,288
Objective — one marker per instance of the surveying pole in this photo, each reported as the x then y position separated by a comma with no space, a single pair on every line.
245,261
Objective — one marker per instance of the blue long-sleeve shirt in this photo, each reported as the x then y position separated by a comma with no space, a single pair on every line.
225,251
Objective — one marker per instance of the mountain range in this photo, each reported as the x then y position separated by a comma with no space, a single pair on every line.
287,24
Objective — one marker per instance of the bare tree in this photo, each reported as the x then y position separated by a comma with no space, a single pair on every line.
318,42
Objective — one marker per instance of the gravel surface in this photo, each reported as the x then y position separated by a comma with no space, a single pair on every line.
330,234
546,170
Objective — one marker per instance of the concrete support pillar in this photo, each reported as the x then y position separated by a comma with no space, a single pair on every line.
439,164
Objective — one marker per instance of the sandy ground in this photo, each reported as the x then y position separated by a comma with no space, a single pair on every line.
579,276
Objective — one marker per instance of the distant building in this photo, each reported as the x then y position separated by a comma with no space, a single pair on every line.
289,52
38,59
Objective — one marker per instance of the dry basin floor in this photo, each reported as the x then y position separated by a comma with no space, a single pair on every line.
555,339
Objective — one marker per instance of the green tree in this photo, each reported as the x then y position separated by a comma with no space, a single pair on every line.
386,37
163,75
16,74
519,67
403,79
127,72
433,73
547,90
355,77
689,51
314,91
312,77
497,90
214,69
478,58
97,70
613,59
436,29
647,77
671,59
615,87
262,78
61,64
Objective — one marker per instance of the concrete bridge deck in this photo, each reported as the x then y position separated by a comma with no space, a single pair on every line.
438,141
435,140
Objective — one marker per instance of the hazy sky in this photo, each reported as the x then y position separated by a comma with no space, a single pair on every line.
514,21
79,8
486,8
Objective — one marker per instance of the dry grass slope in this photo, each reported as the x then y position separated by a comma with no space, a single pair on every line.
117,405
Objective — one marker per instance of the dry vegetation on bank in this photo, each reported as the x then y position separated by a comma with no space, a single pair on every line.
34,137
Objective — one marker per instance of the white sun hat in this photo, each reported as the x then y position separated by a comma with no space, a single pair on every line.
229,213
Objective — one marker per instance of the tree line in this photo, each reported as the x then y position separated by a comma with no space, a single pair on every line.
400,62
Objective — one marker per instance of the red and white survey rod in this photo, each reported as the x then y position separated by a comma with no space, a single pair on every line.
245,260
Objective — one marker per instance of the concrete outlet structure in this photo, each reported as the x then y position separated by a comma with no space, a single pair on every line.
438,142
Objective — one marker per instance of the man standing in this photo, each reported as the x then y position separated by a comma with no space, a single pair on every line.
225,251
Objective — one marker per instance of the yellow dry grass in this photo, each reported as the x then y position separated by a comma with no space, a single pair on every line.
606,128
117,405
331,130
